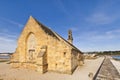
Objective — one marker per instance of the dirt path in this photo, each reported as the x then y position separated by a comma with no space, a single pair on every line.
108,71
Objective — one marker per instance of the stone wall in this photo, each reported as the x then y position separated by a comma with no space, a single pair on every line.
74,61
59,56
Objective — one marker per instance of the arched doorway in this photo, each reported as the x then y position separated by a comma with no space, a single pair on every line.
31,47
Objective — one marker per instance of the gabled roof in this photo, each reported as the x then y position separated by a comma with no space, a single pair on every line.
54,34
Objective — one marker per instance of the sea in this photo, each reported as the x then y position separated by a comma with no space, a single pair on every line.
4,57
116,57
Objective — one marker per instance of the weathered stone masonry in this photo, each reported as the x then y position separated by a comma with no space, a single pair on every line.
41,49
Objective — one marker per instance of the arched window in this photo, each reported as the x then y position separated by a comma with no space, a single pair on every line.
31,46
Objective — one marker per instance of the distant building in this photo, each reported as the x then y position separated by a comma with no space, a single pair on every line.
41,49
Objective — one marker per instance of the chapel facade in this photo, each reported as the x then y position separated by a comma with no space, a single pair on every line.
41,49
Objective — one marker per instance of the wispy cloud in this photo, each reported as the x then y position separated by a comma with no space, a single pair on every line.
112,34
7,44
13,36
97,41
8,34
100,18
105,12
61,6
5,20
116,31
98,36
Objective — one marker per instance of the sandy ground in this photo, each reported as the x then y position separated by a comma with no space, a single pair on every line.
116,64
81,73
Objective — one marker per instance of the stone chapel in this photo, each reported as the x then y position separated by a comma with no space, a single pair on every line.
40,48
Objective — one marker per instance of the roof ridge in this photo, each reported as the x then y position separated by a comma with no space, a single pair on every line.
53,33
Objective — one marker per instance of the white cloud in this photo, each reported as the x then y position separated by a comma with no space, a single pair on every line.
97,41
15,23
5,20
8,37
117,31
105,12
7,43
100,18
98,36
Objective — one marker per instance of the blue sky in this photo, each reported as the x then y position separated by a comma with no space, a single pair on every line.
95,23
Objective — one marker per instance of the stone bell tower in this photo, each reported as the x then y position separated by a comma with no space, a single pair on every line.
70,38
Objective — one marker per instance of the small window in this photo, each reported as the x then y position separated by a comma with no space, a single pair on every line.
64,54
56,65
